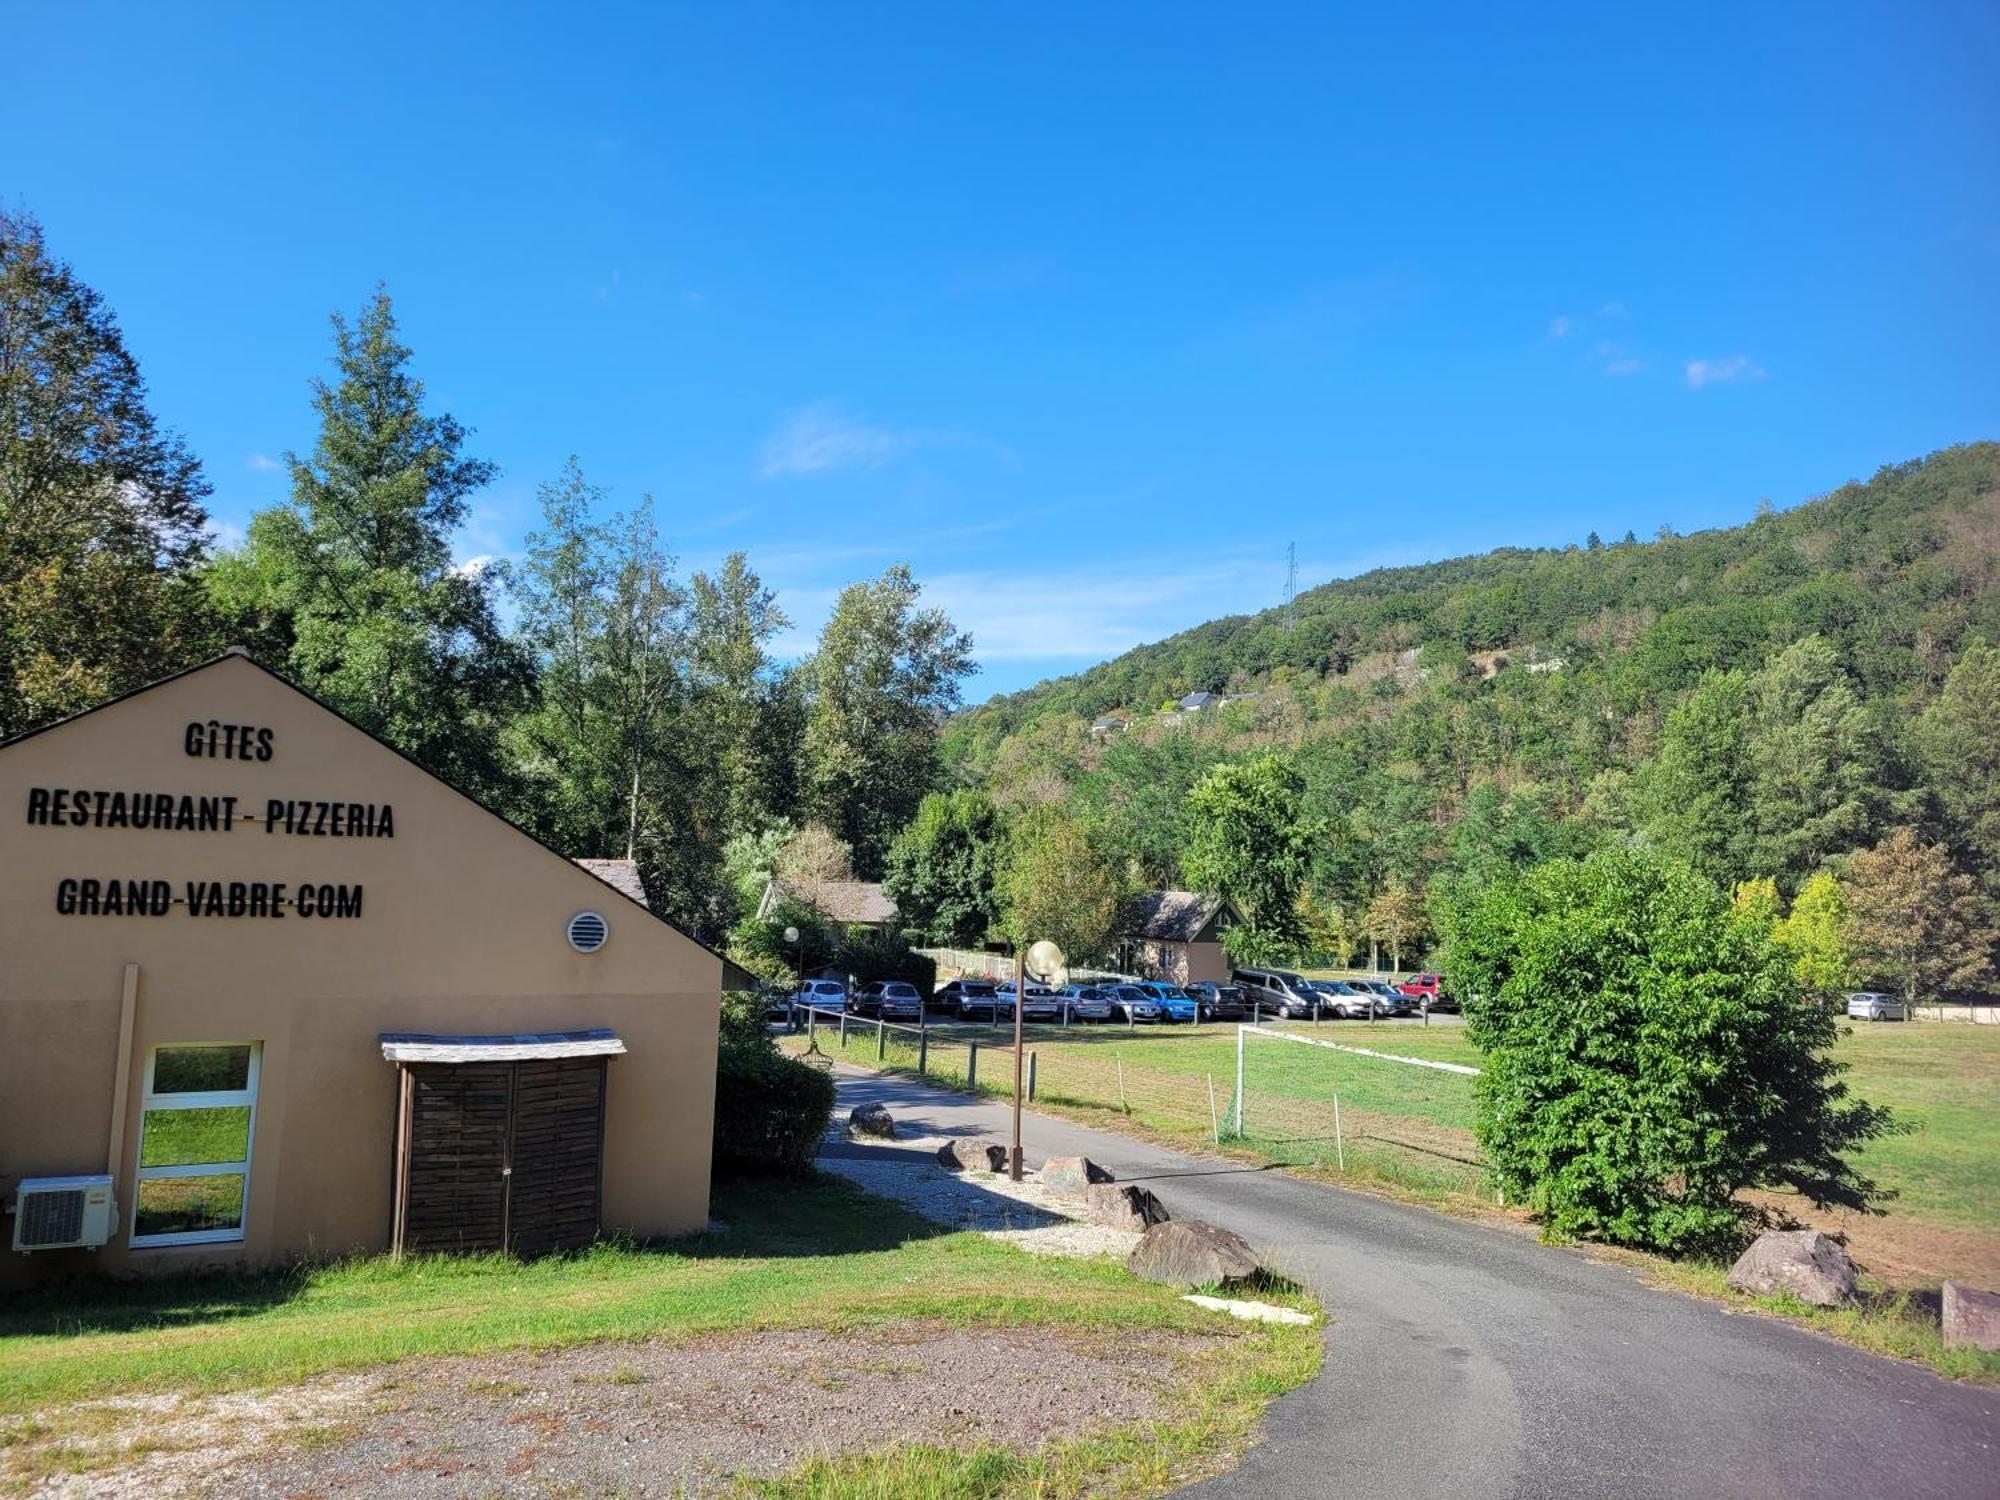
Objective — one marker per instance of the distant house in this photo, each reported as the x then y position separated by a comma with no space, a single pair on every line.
1194,703
1177,936
1109,724
850,903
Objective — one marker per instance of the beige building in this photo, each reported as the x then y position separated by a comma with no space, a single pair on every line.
1177,936
297,997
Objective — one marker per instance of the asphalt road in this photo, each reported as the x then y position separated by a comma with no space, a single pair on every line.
1464,1360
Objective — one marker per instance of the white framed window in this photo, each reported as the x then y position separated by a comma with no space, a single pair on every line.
199,1116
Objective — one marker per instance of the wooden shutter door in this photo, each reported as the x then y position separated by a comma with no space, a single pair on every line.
452,1177
558,1154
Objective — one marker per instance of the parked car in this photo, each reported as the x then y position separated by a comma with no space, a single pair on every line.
1277,991
1394,1001
961,996
1134,1004
1175,1003
895,1000
1346,1001
1041,1003
1087,1002
1870,1005
1423,987
824,994
1217,1002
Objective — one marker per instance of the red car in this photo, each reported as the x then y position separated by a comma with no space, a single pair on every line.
1429,988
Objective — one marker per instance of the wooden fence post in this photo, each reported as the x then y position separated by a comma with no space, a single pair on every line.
881,1041
1339,1146
972,1067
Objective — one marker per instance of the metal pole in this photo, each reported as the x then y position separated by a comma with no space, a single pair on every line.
1123,1108
1031,1074
972,1067
1339,1146
1020,1004
881,1041
1239,1081
923,1052
1214,1120
843,1031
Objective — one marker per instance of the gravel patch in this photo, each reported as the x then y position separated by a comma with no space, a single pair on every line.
1022,1213
640,1419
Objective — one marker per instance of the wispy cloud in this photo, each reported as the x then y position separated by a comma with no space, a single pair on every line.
1612,359
1612,310
821,438
226,534
263,463
472,567
1559,328
1730,367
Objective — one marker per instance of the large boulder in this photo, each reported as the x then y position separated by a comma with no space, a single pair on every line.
973,1154
1189,1253
1121,1206
871,1119
1068,1176
1971,1317
1803,1262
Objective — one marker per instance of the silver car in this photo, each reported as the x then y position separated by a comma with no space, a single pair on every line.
1872,1006
1086,1002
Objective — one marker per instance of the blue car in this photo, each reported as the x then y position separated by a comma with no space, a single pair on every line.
1174,1002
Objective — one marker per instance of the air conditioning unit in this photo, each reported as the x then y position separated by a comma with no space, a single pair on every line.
63,1213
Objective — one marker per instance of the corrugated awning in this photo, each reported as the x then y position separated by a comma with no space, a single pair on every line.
519,1046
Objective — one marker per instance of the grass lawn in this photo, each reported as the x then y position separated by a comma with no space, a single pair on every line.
816,1254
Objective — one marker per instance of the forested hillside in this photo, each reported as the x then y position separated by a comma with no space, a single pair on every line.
1762,700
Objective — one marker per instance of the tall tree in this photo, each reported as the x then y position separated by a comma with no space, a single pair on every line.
1958,745
747,733
885,674
1814,770
1915,921
101,519
1251,840
382,625
1692,800
943,866
1062,883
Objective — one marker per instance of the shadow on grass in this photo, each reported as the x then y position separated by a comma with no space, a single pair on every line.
802,1218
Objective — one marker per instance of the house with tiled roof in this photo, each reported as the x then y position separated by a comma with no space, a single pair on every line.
850,903
1177,936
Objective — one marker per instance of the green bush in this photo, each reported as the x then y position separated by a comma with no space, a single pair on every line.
1648,1057
770,1110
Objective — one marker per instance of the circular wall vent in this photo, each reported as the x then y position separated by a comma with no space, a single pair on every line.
588,931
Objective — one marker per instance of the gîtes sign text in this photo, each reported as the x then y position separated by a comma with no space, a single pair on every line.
84,897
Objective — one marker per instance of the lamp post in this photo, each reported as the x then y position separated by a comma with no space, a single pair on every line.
1048,960
798,971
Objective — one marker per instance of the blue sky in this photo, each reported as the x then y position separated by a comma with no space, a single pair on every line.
1086,312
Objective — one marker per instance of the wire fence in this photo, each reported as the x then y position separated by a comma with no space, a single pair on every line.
1348,1111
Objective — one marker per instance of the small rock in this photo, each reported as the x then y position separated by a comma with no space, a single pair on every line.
1803,1262
1971,1317
871,1119
1068,1176
973,1154
1121,1206
1187,1253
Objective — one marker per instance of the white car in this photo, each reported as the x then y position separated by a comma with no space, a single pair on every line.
1871,1006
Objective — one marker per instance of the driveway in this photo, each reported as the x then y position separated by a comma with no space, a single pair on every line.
1467,1360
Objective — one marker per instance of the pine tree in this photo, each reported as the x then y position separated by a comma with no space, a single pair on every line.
1814,769
358,568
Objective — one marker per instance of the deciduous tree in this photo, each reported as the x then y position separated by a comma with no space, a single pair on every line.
885,673
1814,933
1646,1057
101,518
1250,840
1061,882
1913,920
943,867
